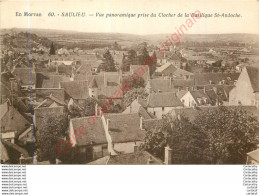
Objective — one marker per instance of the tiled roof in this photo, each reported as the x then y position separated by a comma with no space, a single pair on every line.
113,80
27,76
192,113
165,67
43,93
125,128
183,83
253,73
14,121
136,107
166,99
181,93
83,72
77,90
205,78
63,69
138,158
199,94
94,133
161,85
180,73
54,81
152,123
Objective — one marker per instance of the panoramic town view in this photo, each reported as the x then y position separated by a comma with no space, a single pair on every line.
71,97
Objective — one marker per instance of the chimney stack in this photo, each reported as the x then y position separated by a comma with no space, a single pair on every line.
141,123
135,147
168,155
13,87
107,123
105,79
150,161
96,110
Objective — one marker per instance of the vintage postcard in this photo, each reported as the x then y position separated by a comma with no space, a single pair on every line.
147,82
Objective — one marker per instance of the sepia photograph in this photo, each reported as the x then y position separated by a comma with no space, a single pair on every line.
129,83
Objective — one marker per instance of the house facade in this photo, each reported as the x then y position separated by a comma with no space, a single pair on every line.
246,91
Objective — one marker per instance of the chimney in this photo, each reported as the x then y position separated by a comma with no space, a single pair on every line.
187,88
210,82
107,124
135,147
168,155
150,161
56,69
12,81
68,118
215,90
204,89
141,123
120,76
96,110
4,99
105,79
178,89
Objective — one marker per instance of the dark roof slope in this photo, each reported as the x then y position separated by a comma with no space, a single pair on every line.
94,133
138,158
125,128
202,79
14,121
27,76
77,90
161,85
166,99
253,73
43,93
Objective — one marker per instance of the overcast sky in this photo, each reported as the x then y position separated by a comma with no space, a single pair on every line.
248,23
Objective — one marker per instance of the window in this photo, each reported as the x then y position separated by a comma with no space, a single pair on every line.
154,113
163,109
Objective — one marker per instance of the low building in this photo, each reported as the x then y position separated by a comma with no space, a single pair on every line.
159,85
160,104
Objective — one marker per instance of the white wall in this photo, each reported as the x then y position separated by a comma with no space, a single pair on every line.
127,147
188,100
159,111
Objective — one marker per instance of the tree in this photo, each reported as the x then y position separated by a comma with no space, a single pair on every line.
132,94
89,106
187,142
108,64
47,139
135,84
116,46
52,49
128,60
231,134
145,59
